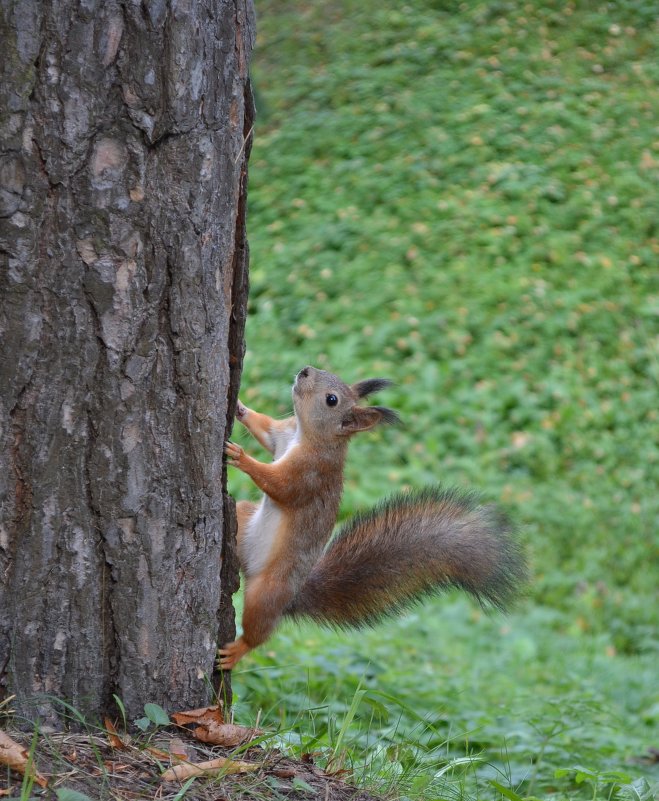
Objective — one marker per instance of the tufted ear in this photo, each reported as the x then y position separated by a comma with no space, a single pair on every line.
370,385
361,418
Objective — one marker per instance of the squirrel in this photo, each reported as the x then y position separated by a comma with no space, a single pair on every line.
411,545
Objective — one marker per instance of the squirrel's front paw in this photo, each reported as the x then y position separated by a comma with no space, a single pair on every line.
234,453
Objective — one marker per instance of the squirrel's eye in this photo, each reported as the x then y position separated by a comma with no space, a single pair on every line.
331,400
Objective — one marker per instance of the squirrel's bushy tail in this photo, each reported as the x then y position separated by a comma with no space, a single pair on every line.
409,546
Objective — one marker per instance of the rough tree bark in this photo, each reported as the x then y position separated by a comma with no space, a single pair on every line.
125,130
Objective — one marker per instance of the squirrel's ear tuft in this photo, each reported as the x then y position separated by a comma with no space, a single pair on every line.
387,416
370,385
362,418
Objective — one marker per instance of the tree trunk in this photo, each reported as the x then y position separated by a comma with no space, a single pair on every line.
125,133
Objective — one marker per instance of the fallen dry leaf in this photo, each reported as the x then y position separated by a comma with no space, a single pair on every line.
339,773
226,734
17,757
285,773
199,716
176,750
210,768
211,728
113,735
158,753
179,750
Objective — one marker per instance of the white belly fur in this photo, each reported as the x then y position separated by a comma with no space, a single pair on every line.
261,530
259,537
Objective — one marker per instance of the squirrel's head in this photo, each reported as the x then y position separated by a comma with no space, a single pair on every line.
328,408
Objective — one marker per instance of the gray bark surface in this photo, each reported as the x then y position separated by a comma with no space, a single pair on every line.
124,136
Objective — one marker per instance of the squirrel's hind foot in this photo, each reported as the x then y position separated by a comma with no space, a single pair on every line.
232,653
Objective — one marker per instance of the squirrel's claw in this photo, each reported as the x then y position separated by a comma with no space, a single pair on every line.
233,452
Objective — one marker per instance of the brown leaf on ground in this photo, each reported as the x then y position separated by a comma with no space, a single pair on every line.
285,773
173,749
199,716
340,773
17,757
210,768
227,734
211,728
158,753
113,735
178,749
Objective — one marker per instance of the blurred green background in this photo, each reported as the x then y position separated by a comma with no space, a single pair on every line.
463,197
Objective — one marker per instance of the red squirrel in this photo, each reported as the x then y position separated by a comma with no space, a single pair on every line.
411,545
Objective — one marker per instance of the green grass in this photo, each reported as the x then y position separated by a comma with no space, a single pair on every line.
464,197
